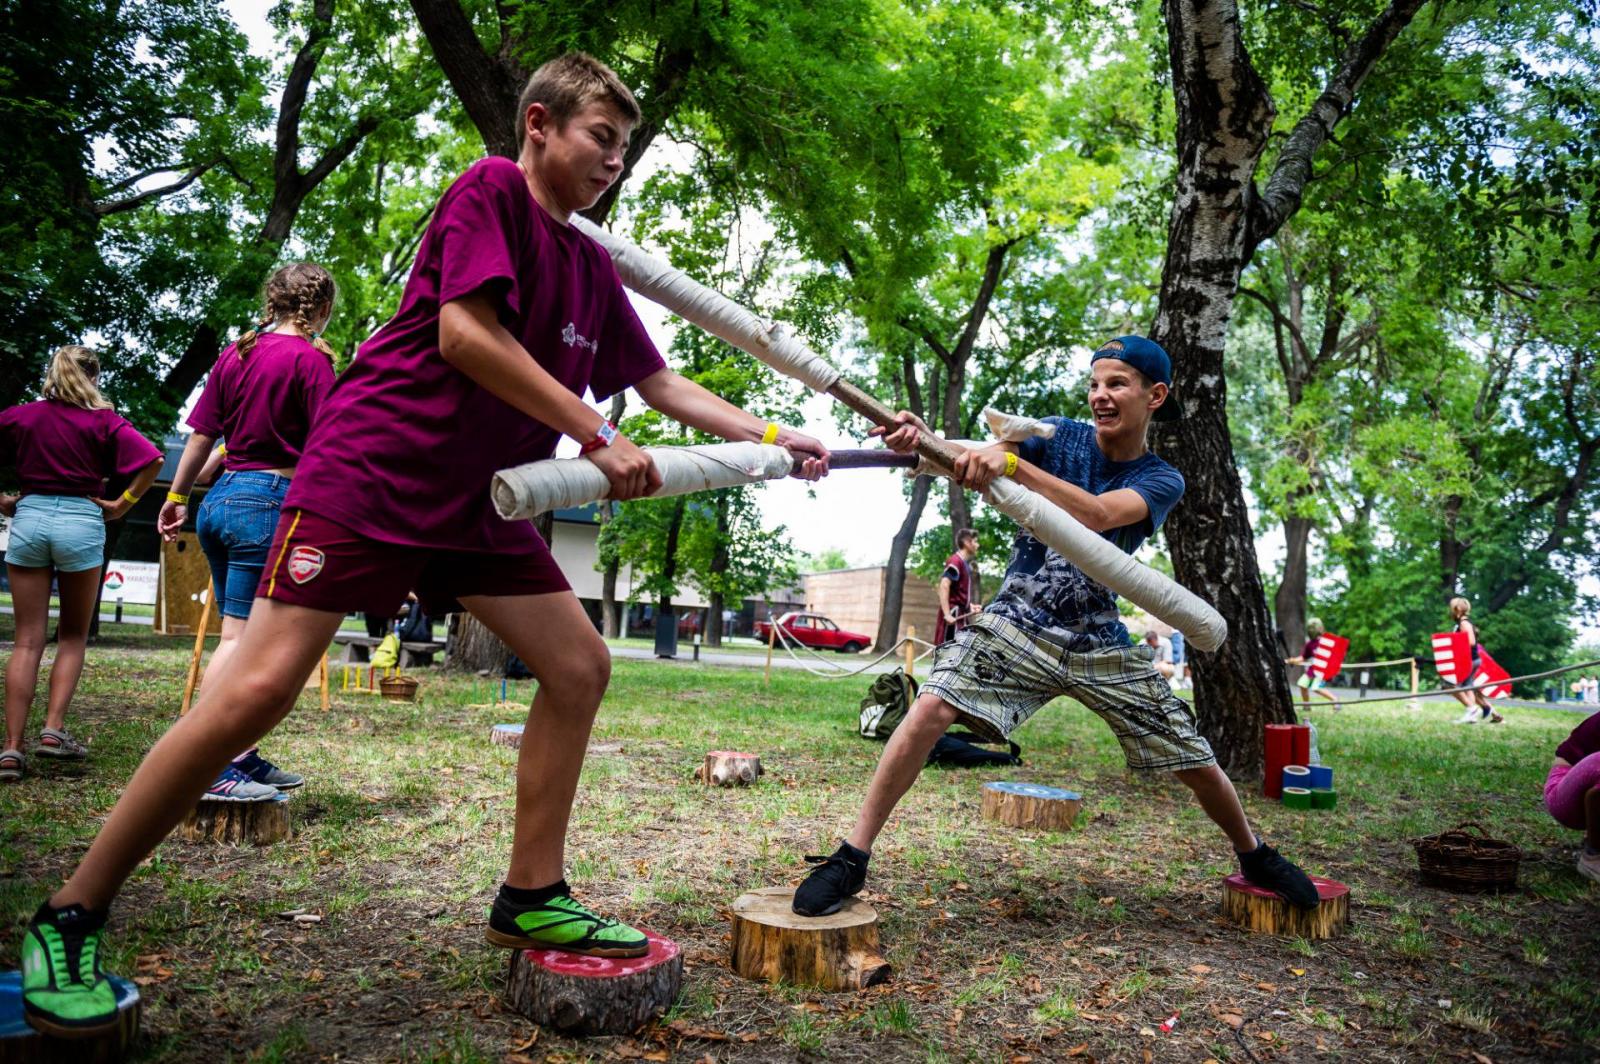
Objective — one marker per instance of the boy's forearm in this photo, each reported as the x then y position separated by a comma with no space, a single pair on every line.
474,342
683,400
1082,505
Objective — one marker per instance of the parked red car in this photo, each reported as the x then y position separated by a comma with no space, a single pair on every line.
815,630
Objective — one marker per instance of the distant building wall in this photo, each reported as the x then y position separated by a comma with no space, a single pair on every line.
853,599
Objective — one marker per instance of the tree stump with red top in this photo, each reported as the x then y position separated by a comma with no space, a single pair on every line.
771,942
580,995
729,768
1258,909
237,823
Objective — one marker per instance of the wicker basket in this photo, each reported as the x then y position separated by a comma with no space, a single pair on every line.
1467,861
398,688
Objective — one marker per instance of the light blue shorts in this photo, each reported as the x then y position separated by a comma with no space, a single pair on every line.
64,531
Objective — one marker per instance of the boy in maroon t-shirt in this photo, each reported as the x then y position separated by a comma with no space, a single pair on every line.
955,587
509,314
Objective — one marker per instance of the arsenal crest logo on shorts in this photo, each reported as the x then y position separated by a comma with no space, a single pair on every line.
305,563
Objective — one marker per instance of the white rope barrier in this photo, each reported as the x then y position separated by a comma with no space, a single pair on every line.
839,671
1478,687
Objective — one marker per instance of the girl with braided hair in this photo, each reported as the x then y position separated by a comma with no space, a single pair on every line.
261,398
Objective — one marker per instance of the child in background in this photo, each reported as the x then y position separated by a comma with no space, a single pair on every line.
65,447
261,397
1308,683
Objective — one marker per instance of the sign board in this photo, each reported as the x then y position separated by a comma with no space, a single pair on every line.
133,582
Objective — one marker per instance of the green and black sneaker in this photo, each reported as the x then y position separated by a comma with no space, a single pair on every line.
560,922
64,993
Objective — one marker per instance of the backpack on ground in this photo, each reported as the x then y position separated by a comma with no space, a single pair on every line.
960,750
886,704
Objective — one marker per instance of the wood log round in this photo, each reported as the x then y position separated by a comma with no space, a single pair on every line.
1252,907
729,768
20,1043
580,995
774,944
235,823
509,735
1031,805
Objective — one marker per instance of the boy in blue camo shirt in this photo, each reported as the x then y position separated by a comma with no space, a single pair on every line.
1052,631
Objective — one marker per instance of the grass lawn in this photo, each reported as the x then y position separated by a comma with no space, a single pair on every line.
1007,946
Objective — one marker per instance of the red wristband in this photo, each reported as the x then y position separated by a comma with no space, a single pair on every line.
603,438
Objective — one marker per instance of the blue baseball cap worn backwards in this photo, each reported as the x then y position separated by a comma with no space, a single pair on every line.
1149,358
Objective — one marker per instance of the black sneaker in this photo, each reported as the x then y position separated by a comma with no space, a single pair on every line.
1270,870
836,877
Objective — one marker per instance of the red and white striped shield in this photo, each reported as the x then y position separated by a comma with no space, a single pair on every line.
1452,656
1493,673
1327,656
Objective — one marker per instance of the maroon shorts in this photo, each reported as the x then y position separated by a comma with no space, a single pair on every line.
320,564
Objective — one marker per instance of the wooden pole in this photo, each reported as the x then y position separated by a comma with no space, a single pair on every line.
322,664
772,638
911,650
199,648
1413,704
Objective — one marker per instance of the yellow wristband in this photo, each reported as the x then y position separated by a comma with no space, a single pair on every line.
222,449
130,496
1011,464
181,500
771,435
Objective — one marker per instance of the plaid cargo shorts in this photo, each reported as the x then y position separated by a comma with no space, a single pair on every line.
998,674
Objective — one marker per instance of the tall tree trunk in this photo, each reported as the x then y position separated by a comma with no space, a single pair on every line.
669,566
895,578
473,648
1218,218
1289,605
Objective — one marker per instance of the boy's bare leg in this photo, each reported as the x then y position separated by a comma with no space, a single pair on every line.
279,646
1216,794
557,641
903,758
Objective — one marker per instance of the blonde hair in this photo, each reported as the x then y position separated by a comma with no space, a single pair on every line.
1459,608
1314,626
569,83
71,378
294,292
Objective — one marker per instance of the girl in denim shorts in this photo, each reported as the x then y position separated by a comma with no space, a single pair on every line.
66,447
261,397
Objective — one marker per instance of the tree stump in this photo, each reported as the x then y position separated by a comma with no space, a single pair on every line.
838,952
234,823
1251,907
22,1044
508,735
580,995
1030,805
728,768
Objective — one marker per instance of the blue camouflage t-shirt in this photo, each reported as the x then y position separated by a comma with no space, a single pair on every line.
1042,590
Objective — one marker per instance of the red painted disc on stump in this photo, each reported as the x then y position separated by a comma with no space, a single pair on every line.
563,963
1326,888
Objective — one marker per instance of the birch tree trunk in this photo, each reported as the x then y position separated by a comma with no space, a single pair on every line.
1218,218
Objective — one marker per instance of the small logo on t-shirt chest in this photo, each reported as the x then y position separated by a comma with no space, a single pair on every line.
573,338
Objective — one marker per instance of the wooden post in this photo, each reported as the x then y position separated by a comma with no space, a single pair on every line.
322,665
199,648
772,638
911,650
1413,703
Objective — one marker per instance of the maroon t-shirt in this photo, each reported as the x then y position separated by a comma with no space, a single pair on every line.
405,446
959,573
62,449
263,404
1584,740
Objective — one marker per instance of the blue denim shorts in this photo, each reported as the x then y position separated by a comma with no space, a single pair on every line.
235,527
64,531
